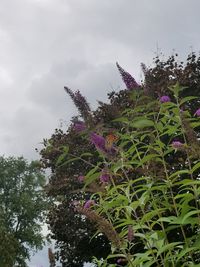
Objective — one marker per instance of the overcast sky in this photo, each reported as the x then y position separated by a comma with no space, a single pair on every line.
47,44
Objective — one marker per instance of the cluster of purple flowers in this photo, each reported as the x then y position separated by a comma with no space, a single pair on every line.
105,176
79,126
100,143
164,99
81,178
89,203
129,81
177,144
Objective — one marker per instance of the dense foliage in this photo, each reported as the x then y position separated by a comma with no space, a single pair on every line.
150,207
127,175
22,208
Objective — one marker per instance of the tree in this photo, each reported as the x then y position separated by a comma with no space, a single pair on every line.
22,209
65,154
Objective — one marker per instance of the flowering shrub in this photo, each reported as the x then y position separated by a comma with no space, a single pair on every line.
81,168
149,209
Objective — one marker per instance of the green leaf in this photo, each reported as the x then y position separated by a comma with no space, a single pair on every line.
92,171
67,162
148,158
122,119
187,98
196,167
63,155
195,124
148,216
91,178
87,154
186,220
168,247
142,123
178,173
185,251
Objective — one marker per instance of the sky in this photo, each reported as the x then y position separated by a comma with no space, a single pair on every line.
48,44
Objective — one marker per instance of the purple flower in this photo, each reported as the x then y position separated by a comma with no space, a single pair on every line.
101,144
121,261
197,113
81,178
105,176
99,141
130,233
164,99
177,144
79,126
127,78
88,204
80,102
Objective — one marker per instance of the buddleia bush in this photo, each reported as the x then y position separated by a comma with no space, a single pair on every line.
129,171
148,205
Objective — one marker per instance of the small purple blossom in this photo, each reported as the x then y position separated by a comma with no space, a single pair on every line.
81,178
88,204
99,141
197,113
79,126
121,261
127,78
177,144
130,233
164,99
105,176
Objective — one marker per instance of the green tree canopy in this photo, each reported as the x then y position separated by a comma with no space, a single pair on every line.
22,210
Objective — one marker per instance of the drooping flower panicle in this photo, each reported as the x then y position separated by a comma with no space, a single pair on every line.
102,224
129,81
80,102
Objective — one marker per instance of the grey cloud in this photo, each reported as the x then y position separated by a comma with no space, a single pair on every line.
24,132
93,81
47,103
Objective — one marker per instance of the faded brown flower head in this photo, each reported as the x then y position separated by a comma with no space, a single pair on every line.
102,224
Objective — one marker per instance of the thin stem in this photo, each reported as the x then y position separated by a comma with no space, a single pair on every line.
171,192
162,225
